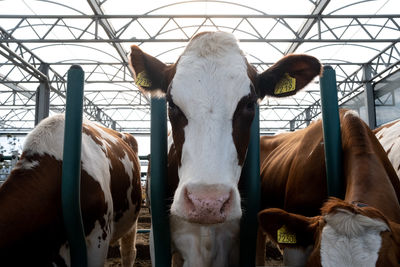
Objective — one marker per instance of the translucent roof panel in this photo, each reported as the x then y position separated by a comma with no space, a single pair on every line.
97,35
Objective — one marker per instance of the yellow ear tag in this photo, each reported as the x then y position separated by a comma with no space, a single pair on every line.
142,80
285,237
285,85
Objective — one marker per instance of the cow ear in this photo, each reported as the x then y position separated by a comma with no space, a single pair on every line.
287,76
151,75
288,229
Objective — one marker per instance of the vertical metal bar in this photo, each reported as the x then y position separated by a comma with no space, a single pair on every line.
332,134
251,196
158,169
369,97
71,168
42,105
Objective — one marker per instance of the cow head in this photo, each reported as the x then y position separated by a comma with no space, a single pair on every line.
344,235
212,92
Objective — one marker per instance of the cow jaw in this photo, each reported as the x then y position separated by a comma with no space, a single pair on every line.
209,157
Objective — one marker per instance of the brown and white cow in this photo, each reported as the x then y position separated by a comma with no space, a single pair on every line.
361,230
31,226
389,136
212,92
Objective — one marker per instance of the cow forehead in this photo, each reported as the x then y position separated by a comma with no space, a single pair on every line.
211,74
350,239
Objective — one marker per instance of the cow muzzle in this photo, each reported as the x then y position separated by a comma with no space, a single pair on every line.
209,204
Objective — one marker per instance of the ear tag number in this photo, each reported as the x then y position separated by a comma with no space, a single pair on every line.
285,237
285,85
142,80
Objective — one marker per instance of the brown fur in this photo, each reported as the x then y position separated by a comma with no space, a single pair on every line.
241,122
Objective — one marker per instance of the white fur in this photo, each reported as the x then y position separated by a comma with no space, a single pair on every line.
213,246
25,164
350,239
47,137
211,78
97,247
390,139
351,113
96,164
170,141
128,165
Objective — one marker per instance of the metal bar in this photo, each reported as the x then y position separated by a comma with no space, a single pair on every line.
251,196
185,40
71,168
190,16
332,134
158,185
26,65
308,24
42,104
369,97
345,92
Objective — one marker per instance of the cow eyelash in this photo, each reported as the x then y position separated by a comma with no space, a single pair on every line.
251,102
171,104
251,105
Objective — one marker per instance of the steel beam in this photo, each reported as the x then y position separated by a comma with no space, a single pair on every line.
308,24
327,29
369,97
25,65
42,96
353,83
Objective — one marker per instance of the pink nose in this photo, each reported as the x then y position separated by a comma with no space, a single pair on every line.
207,206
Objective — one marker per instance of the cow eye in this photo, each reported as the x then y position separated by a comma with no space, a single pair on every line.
171,104
251,105
173,110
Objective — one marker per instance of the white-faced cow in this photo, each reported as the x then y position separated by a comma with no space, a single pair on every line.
31,225
389,136
212,92
361,230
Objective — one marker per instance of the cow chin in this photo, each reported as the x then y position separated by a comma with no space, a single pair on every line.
211,245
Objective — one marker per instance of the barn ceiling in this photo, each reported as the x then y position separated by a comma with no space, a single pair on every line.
41,39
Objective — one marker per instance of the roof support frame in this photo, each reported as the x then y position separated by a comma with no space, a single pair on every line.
60,81
354,83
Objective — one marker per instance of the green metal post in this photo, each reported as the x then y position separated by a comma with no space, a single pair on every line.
251,196
71,168
332,134
158,168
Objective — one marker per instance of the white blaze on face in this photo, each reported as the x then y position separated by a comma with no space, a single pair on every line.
350,239
211,78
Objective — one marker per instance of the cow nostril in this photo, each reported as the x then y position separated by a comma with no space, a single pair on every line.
225,206
188,200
